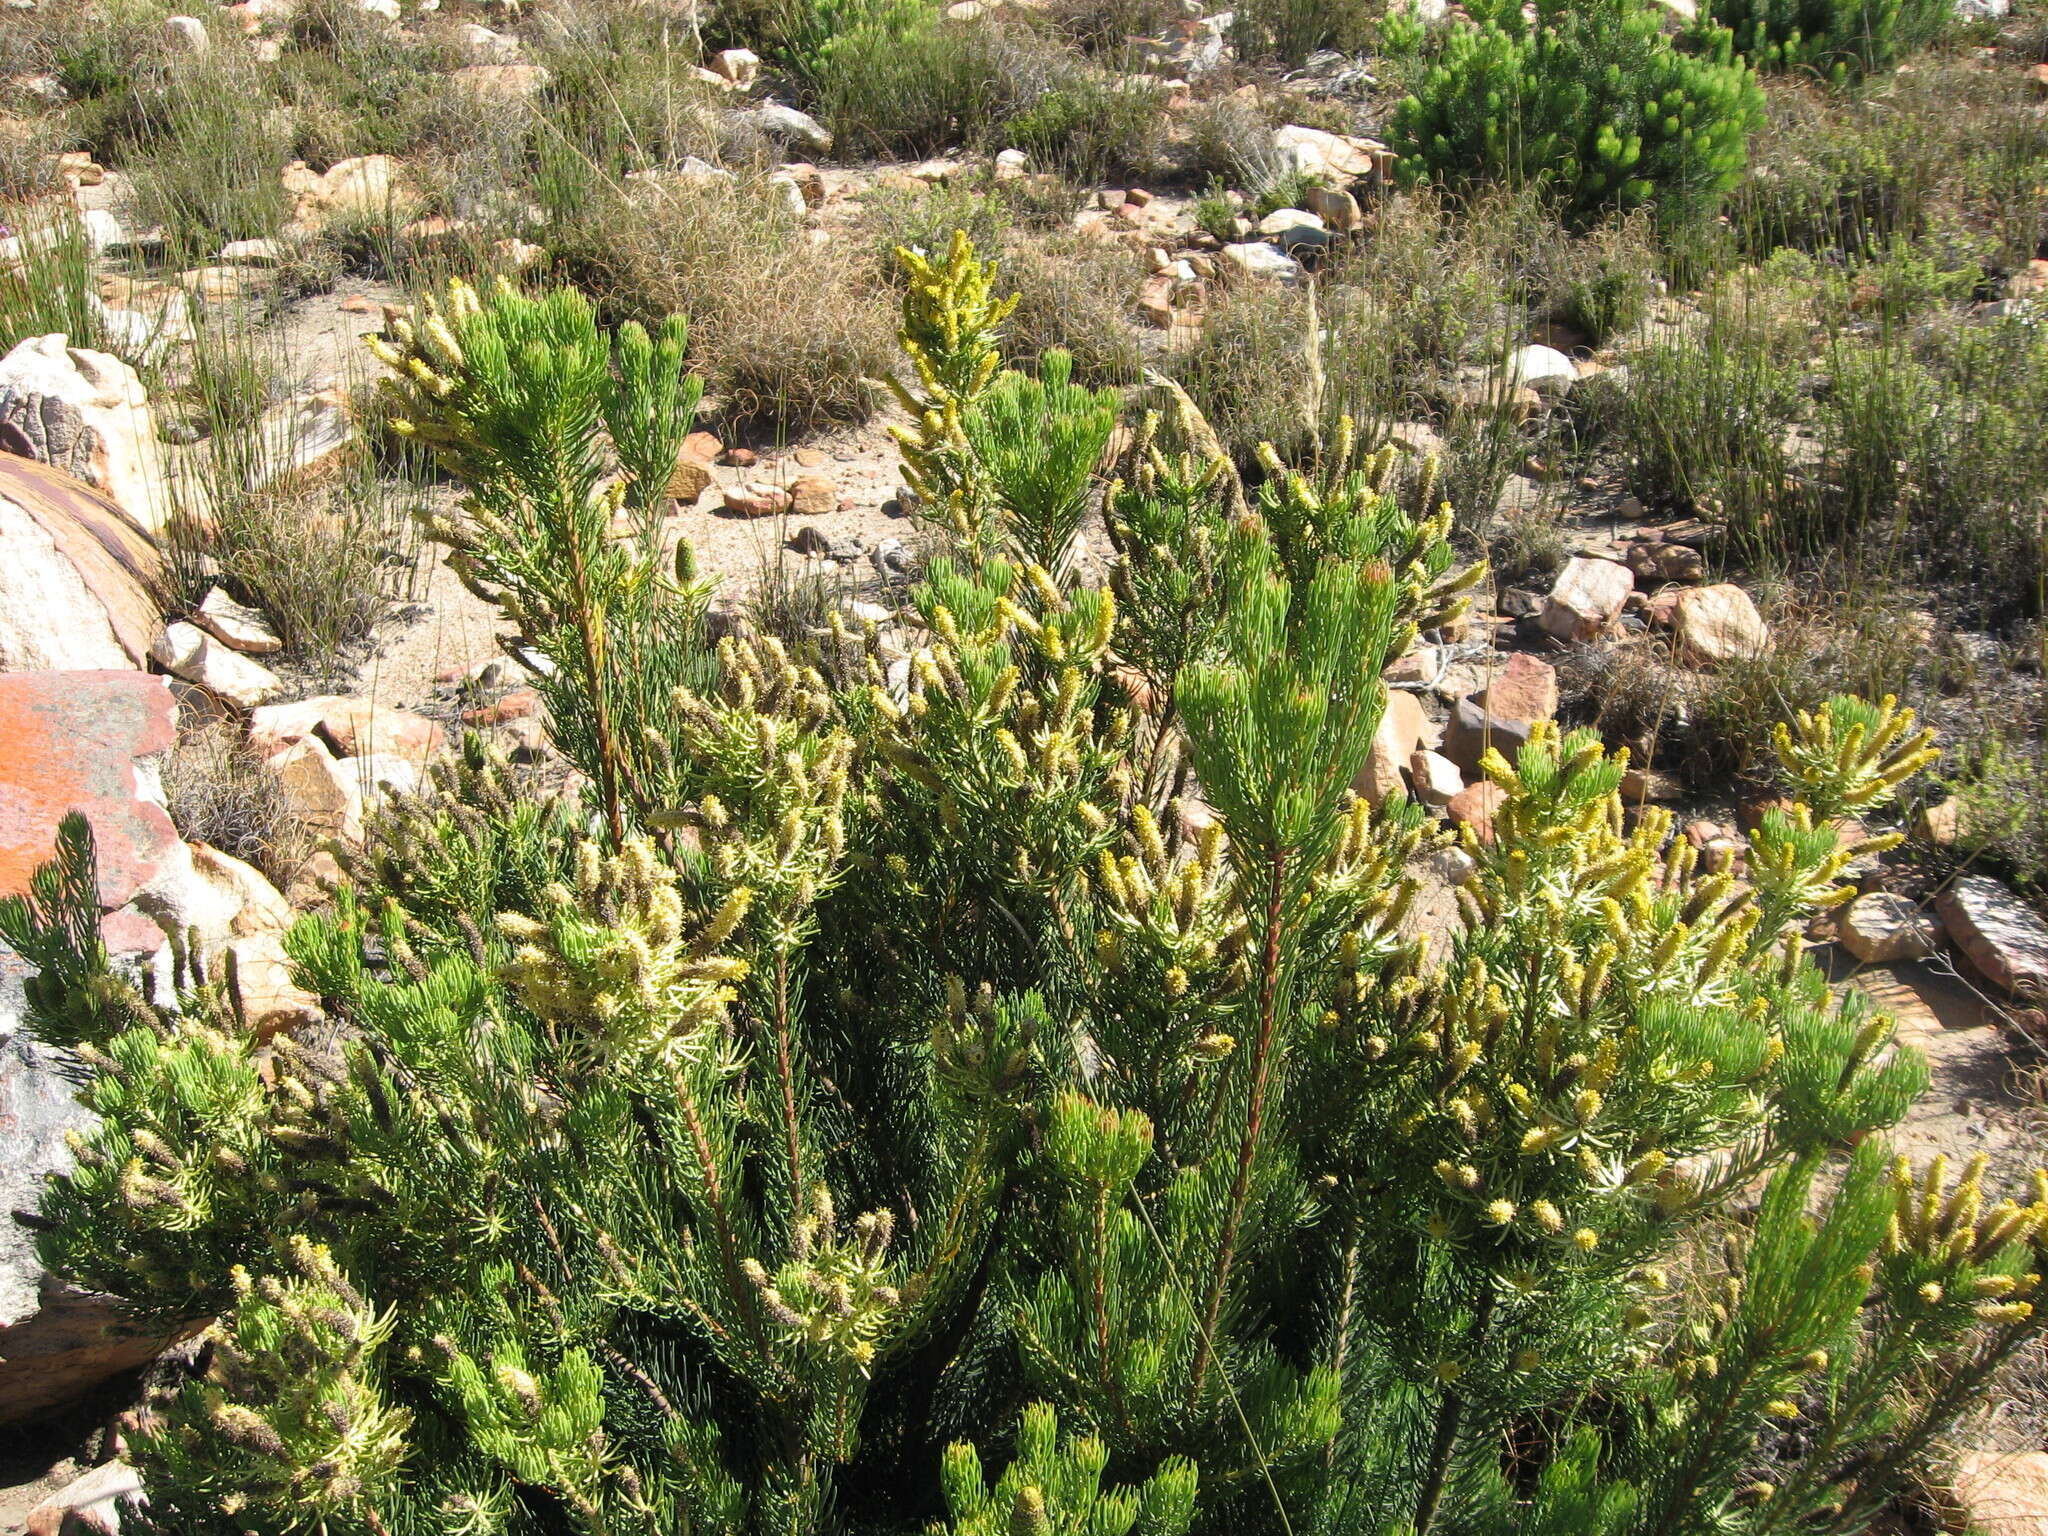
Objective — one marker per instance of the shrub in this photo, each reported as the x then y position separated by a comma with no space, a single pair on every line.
621,96
211,174
217,793
785,332
1288,31
55,283
28,158
1837,39
1089,126
924,217
1280,1218
1706,417
2003,819
1074,294
1592,101
899,79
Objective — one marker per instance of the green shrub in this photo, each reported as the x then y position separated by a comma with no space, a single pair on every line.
1288,31
859,1085
1592,101
55,282
897,78
1837,39
2002,823
210,174
621,95
1089,126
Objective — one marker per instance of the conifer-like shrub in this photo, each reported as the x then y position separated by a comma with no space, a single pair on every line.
1592,100
1016,1086
1835,39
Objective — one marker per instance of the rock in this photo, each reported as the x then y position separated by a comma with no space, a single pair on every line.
1655,560
351,726
186,35
237,626
319,791
314,880
483,46
1940,824
1337,209
1436,778
739,65
88,414
1398,735
1256,259
1640,785
519,704
1433,914
90,741
690,480
258,906
56,1343
892,559
813,496
1332,157
270,1000
2002,935
79,580
703,447
2003,1493
808,181
1290,228
1524,689
1012,165
1983,10
1718,623
382,775
788,126
1475,806
1881,927
502,82
250,253
189,652
91,1504
364,186
1586,598
756,498
1544,369
1472,728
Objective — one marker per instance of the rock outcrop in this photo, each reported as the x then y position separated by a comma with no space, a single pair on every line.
79,579
88,414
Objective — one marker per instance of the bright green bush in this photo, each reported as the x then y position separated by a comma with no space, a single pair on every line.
883,1103
1592,100
1836,39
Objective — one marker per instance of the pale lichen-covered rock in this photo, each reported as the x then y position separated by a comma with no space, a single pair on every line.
88,414
2003,936
1586,597
1882,927
189,652
1717,624
79,579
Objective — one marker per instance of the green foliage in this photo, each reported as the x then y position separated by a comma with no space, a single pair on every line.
1592,101
1288,31
1836,39
1039,440
1052,1487
1851,755
889,1053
